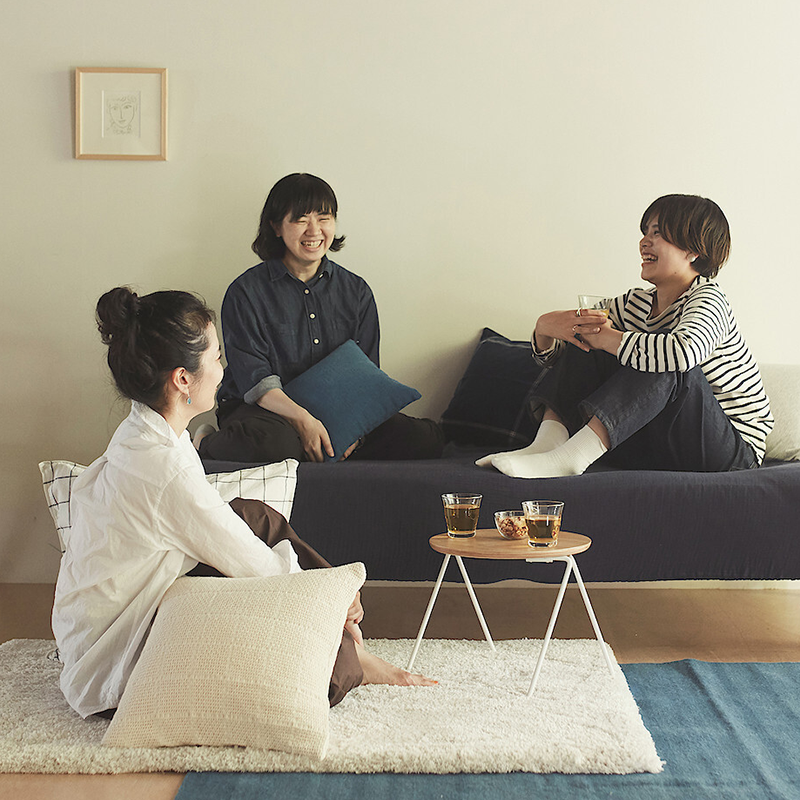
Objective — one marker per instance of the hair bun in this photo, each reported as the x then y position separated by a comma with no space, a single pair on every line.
117,313
148,337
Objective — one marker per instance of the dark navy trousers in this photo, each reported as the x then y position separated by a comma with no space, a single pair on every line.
655,420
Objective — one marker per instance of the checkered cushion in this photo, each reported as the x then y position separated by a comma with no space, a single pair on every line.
57,480
273,484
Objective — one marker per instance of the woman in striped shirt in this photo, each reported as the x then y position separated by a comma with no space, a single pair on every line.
666,381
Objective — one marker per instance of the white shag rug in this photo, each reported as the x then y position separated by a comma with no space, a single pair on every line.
581,718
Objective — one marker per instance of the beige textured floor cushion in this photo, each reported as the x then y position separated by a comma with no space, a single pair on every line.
239,661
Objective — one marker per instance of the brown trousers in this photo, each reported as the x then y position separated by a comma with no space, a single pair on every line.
271,527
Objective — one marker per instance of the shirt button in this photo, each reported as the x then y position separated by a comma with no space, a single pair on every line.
312,316
316,341
307,291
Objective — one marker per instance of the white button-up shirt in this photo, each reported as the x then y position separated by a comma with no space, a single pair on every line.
143,514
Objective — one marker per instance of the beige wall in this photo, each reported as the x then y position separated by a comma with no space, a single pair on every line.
491,161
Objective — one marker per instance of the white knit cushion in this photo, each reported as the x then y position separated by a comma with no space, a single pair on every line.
239,661
273,484
782,384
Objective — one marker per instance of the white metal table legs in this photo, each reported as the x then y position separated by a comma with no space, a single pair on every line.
571,567
432,601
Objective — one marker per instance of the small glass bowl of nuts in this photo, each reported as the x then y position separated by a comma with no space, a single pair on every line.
511,524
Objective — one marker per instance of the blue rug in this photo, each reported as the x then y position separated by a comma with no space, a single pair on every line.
725,731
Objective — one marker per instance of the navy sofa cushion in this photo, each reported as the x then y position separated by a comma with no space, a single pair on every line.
489,406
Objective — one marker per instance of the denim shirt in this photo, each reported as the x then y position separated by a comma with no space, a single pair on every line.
275,326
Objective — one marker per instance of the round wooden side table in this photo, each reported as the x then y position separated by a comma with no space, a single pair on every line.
487,543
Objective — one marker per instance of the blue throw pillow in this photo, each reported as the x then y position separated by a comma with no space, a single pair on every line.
349,395
490,405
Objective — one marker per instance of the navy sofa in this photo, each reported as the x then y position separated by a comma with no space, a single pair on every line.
643,525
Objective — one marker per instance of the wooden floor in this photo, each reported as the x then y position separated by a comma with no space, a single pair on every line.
642,624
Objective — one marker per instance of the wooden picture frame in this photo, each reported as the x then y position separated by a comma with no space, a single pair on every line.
121,113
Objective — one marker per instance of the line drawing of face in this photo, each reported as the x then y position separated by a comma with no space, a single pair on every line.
122,113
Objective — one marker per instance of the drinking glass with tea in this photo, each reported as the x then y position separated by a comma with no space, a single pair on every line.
461,511
594,302
543,518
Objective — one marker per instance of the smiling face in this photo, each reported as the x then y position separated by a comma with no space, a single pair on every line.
663,263
208,378
307,239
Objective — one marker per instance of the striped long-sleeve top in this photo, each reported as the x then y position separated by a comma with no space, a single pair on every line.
697,329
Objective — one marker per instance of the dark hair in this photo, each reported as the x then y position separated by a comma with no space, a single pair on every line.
695,224
293,196
148,337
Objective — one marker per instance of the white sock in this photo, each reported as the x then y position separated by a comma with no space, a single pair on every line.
550,435
571,458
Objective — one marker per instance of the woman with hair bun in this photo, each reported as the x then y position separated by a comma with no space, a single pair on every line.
661,380
143,513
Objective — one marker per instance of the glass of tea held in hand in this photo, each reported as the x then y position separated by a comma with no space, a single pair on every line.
543,518
461,512
595,302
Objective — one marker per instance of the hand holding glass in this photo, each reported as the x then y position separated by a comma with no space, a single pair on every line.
594,302
461,513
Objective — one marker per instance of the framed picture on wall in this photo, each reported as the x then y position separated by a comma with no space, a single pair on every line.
121,113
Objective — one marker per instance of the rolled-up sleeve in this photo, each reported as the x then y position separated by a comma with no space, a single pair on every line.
248,348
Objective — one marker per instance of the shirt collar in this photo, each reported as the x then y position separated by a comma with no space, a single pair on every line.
145,417
276,269
696,282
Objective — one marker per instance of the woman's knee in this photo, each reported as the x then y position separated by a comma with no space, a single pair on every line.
403,438
253,440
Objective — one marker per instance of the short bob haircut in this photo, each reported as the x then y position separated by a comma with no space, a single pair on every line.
695,224
293,196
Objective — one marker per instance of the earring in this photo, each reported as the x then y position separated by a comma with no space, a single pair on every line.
188,400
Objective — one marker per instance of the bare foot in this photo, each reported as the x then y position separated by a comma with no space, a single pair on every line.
376,670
